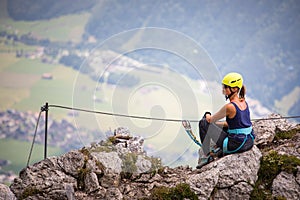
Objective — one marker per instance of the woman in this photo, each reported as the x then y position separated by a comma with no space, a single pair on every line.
236,133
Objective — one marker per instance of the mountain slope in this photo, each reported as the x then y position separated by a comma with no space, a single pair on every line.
258,38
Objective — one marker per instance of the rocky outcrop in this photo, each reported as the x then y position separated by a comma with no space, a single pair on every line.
289,146
95,172
5,193
58,178
286,185
283,137
123,170
267,128
120,169
231,177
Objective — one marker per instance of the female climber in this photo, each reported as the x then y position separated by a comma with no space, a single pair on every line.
233,135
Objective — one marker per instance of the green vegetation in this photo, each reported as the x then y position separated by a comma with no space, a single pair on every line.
128,159
58,26
28,66
64,21
17,153
81,177
286,134
106,146
156,165
68,87
128,167
180,191
31,10
46,20
82,172
271,165
30,191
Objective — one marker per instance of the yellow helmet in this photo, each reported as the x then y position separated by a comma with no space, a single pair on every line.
233,80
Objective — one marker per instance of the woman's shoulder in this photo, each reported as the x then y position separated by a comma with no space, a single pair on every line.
241,104
230,110
230,106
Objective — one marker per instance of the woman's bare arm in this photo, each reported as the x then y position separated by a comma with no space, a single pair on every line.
222,124
226,110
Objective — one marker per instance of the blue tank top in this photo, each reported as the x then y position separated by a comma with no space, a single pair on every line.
241,118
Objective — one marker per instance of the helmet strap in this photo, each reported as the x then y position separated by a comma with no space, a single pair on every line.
239,90
231,93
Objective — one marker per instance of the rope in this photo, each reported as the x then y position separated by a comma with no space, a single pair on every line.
128,116
274,118
33,140
153,118
119,115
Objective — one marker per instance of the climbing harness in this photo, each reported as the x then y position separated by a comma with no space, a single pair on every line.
246,131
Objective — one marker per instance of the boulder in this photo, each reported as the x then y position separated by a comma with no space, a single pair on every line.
265,129
142,164
224,177
290,147
110,160
71,162
285,185
45,179
5,193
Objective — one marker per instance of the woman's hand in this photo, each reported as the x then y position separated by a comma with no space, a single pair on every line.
208,117
218,115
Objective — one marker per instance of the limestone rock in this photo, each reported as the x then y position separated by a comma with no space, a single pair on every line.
143,165
298,175
204,183
99,172
5,193
110,160
239,191
285,185
71,162
122,131
265,130
91,182
114,193
227,175
291,147
44,179
226,178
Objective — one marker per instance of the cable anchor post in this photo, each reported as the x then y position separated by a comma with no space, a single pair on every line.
45,108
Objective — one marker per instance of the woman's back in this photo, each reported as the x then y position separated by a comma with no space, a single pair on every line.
241,118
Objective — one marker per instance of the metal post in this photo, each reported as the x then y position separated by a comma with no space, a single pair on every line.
45,108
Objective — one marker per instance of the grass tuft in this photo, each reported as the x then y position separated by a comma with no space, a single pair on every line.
180,191
271,165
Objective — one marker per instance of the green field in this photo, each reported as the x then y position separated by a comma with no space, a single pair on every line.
66,28
23,89
163,94
17,152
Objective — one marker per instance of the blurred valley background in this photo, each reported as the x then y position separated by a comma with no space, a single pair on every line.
88,54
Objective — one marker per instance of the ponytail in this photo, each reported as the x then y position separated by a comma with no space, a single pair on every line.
242,92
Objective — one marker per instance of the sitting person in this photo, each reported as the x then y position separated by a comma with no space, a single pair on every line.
236,133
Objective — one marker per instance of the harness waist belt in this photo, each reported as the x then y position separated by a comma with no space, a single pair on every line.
245,131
